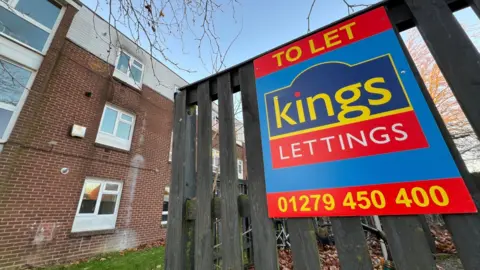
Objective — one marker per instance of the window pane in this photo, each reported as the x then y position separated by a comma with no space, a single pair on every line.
136,74
111,187
109,119
127,117
5,117
107,205
123,63
138,64
123,130
13,80
21,30
43,11
89,199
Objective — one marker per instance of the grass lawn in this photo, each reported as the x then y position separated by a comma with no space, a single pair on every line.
147,259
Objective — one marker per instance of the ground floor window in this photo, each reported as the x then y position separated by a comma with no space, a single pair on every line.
98,205
165,207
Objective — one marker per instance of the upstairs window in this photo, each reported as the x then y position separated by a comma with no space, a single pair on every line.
116,128
29,22
98,205
14,80
129,70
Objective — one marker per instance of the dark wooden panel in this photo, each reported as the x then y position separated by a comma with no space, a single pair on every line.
264,243
446,40
203,227
192,208
351,244
175,250
428,234
190,185
407,242
304,244
230,233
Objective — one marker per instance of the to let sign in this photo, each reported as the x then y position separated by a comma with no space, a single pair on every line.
346,130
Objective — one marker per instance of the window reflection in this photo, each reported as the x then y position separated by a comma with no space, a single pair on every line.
13,80
43,11
21,30
90,196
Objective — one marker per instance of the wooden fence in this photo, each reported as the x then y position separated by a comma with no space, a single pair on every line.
190,238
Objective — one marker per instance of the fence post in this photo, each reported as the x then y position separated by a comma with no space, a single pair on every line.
190,184
407,242
304,243
264,243
459,62
203,222
350,243
231,244
175,249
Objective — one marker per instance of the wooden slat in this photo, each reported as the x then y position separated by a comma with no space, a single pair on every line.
447,42
264,243
230,233
203,227
190,185
304,244
351,244
407,242
175,249
428,234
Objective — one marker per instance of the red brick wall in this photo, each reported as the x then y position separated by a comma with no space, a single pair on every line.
34,193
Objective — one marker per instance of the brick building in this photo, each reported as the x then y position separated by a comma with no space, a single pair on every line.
85,135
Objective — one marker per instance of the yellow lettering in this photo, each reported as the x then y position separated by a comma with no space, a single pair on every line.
345,102
289,56
301,114
279,58
312,47
311,106
348,29
385,93
329,37
282,115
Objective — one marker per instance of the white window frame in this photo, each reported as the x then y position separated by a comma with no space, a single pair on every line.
10,6
171,148
18,108
240,168
93,221
125,77
215,168
215,121
111,140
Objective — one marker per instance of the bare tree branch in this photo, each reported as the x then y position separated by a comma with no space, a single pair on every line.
310,13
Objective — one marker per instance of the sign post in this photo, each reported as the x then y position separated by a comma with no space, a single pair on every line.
346,130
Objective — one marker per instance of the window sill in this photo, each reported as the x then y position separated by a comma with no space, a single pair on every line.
92,233
113,148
